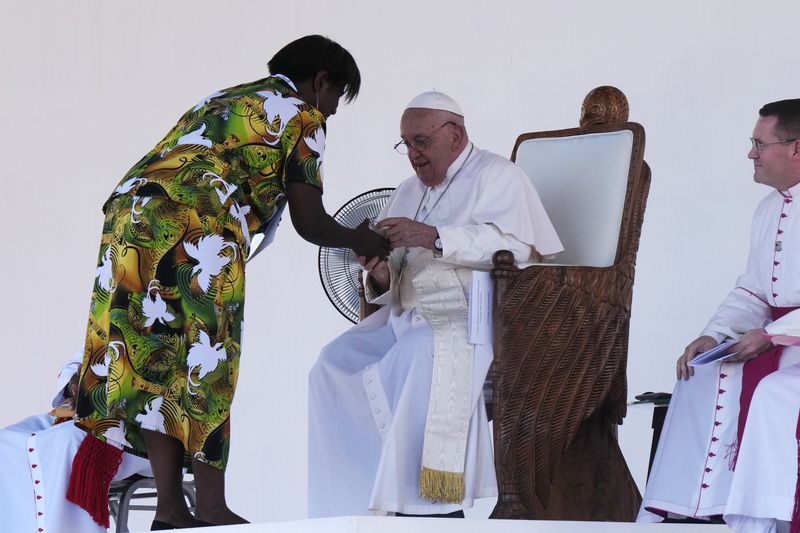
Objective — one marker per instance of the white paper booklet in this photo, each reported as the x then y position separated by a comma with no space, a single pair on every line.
481,292
720,352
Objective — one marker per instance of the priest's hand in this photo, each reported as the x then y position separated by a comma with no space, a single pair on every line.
699,345
750,345
402,231
378,271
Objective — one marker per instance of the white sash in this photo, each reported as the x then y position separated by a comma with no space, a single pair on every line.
442,302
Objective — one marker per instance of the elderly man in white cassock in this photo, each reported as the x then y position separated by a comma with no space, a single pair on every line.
397,422
729,446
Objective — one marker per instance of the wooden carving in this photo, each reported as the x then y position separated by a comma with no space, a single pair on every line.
561,339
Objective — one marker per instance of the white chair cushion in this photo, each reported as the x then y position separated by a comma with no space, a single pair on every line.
582,182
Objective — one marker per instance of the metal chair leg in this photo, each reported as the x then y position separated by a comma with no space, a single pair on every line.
121,494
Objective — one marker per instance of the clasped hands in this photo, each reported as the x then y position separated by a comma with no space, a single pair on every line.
400,232
750,345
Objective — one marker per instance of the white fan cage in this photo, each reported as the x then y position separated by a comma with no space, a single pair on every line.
338,267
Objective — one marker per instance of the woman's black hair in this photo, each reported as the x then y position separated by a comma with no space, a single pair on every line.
300,61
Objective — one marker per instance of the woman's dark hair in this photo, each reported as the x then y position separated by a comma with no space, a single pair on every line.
300,61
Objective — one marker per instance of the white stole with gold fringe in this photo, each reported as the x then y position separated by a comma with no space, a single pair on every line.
444,306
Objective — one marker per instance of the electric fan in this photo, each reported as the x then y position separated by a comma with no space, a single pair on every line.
338,267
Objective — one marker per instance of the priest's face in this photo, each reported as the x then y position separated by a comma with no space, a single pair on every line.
432,141
772,155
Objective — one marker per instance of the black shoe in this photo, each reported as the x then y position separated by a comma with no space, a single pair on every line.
715,519
454,514
158,525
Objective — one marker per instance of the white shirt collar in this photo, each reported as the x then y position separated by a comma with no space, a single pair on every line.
792,192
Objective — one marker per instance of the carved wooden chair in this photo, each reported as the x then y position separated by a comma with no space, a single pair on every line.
561,330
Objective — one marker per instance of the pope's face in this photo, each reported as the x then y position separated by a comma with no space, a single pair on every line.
437,142
772,159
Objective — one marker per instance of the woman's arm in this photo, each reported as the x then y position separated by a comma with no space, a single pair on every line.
316,226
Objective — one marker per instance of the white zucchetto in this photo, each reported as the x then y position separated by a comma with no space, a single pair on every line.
435,100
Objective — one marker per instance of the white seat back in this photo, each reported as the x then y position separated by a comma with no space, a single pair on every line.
582,181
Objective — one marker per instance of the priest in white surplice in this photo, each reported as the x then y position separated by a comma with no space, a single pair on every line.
729,444
397,421
36,455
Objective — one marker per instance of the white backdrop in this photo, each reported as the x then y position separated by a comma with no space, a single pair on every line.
88,86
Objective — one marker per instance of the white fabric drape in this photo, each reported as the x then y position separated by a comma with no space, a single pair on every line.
37,460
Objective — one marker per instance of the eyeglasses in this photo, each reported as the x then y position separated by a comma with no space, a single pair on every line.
758,146
420,145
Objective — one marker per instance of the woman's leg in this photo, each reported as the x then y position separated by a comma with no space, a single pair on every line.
209,483
166,460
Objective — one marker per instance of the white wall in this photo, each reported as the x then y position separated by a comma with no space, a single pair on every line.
89,86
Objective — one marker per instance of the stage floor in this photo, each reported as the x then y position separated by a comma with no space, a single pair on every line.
380,524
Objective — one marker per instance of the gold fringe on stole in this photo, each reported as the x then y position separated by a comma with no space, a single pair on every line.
441,486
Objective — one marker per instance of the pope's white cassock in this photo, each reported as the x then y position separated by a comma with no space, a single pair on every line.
692,472
370,389
37,459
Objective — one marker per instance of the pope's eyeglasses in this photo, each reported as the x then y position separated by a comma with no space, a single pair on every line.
420,145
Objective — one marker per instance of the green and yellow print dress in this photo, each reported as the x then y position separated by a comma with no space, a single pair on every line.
165,324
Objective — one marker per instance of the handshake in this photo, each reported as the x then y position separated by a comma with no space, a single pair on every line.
392,233
370,243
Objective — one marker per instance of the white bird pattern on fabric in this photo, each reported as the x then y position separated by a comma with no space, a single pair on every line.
155,308
207,99
117,434
134,211
114,349
240,213
125,187
229,188
152,417
101,369
195,137
317,143
105,274
277,106
203,357
207,254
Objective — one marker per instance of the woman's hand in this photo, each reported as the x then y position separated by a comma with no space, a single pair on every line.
371,244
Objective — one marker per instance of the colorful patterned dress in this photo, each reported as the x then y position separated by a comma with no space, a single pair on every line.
164,335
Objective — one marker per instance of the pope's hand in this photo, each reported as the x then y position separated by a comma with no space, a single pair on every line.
378,270
402,231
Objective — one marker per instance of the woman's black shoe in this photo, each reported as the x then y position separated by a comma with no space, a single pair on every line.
158,525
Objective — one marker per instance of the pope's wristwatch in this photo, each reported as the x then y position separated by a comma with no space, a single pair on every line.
437,244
